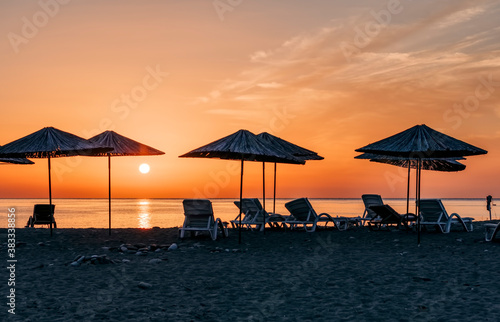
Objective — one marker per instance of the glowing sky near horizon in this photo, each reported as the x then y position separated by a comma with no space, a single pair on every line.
330,76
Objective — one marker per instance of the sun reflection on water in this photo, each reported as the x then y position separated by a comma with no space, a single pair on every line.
144,214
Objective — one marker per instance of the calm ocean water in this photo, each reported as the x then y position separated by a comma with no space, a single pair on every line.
164,213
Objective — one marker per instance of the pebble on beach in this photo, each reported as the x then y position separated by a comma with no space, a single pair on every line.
144,285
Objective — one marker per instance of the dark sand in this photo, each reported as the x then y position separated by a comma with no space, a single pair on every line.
355,275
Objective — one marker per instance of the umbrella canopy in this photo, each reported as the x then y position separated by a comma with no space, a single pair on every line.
121,146
16,160
421,141
293,149
49,143
287,147
245,146
442,164
242,145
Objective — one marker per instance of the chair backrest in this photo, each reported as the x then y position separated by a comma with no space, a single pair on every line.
198,213
42,213
301,209
387,213
432,210
371,200
252,208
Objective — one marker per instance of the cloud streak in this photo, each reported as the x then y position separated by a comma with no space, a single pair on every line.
311,66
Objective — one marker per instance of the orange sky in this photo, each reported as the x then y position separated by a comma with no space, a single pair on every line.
326,75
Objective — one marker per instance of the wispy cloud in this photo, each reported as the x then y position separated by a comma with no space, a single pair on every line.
461,16
392,75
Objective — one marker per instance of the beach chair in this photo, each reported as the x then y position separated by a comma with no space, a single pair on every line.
254,216
199,217
491,231
303,215
433,213
370,200
385,217
42,215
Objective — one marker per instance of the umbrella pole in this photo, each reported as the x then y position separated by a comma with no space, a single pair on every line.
241,200
109,191
408,189
274,197
419,176
264,185
264,197
416,187
50,198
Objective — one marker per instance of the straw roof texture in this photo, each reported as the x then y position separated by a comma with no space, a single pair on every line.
445,165
49,141
421,141
121,145
240,145
293,149
16,161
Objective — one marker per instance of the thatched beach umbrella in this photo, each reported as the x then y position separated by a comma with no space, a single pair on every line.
49,143
421,142
287,147
243,146
15,160
121,146
441,164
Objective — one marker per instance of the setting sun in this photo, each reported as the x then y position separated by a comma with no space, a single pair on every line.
144,168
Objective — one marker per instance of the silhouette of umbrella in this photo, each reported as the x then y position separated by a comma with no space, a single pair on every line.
418,143
243,146
49,142
121,146
16,160
287,147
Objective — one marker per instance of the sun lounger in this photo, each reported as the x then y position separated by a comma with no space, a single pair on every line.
253,212
491,231
42,215
303,215
370,200
434,214
386,216
199,217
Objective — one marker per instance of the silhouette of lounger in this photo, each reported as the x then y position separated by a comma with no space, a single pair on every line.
370,200
386,216
434,214
199,217
252,212
42,215
302,214
491,231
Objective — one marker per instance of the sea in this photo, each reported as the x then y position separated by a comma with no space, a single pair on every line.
166,213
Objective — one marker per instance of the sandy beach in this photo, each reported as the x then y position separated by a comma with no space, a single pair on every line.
355,275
